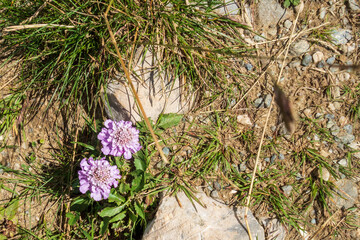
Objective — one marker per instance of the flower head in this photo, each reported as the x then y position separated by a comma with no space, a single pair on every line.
119,138
97,177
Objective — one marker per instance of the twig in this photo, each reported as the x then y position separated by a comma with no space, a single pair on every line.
266,123
21,27
132,86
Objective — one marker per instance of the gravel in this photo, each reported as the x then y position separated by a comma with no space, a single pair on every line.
330,60
287,190
258,102
166,150
306,60
267,101
248,66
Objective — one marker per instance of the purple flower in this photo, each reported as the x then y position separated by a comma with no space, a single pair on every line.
119,138
97,177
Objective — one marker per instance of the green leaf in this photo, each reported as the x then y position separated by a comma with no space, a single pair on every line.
124,188
104,225
79,204
140,210
85,145
111,211
118,217
72,218
169,120
3,237
140,164
116,197
137,184
11,210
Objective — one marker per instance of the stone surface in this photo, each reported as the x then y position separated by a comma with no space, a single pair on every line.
318,56
258,102
270,12
341,36
354,5
267,101
244,120
287,190
324,174
158,91
229,8
274,229
306,60
330,60
348,192
287,24
193,222
322,13
300,47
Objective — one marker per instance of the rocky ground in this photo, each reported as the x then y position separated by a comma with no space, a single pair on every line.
321,91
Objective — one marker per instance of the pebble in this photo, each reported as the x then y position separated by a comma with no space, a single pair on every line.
214,194
329,116
335,130
244,119
322,13
318,115
351,48
260,38
24,145
248,66
343,162
258,102
267,159
330,60
273,128
306,60
340,36
354,5
313,221
348,193
235,167
159,165
300,47
217,186
273,158
330,123
324,174
166,150
287,24
267,101
294,64
287,189
348,128
345,138
316,137
281,156
318,56
242,167
1,137
232,102
321,64
298,176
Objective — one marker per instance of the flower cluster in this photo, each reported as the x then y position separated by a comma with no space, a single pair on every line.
98,176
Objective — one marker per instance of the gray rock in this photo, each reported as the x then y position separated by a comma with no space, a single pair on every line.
343,162
345,138
306,60
274,229
273,158
353,5
242,167
313,221
281,156
300,47
267,101
160,165
232,102
229,8
217,186
269,13
316,138
287,24
166,150
287,190
321,64
324,174
330,60
259,38
244,119
214,194
248,66
158,91
330,123
348,128
318,115
329,116
1,137
335,130
348,192
294,64
273,128
192,221
341,36
235,167
322,13
258,102
267,159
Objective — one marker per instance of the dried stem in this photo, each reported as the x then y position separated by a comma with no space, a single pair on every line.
132,86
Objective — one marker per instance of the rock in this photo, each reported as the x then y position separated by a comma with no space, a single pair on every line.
330,60
330,123
287,190
258,102
348,128
242,167
281,156
343,162
306,60
300,47
341,36
248,66
259,38
348,192
343,77
274,229
321,64
353,5
329,116
273,158
322,13
313,221
244,120
324,174
345,138
267,101
166,150
316,138
269,13
214,194
192,221
217,186
294,64
267,159
318,56
335,130
159,91
304,234
160,165
229,8
318,115
1,137
287,24
351,48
